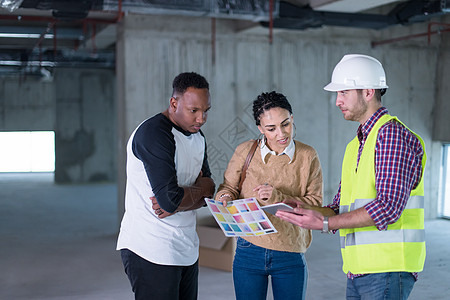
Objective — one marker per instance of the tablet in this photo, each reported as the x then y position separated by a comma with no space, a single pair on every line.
272,208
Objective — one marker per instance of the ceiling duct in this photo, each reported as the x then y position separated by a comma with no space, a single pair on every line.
418,11
10,5
60,58
64,10
80,22
253,10
407,12
347,6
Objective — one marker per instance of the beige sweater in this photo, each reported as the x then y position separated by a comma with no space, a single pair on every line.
301,180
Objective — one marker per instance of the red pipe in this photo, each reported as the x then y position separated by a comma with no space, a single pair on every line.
438,24
50,26
94,29
54,43
213,41
119,13
40,56
429,33
270,21
85,28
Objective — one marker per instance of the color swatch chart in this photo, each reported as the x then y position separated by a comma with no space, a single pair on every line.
241,217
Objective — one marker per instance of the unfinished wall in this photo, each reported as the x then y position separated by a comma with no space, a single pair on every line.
79,105
85,126
152,50
26,103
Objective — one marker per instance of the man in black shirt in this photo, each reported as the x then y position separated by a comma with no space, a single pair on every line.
168,177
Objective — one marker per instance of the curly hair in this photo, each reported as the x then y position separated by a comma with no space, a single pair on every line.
183,81
266,101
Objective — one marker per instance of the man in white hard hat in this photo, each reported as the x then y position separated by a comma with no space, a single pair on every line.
379,207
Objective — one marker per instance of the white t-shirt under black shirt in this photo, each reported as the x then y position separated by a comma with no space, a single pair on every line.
161,159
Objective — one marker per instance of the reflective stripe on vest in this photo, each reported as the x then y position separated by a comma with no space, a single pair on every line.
389,236
413,202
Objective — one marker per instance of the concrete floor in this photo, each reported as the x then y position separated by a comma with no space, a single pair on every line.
58,241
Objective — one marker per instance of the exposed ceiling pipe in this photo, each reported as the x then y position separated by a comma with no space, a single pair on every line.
270,21
100,60
52,19
407,12
274,13
213,41
11,5
119,12
49,28
94,32
54,44
40,56
349,6
255,10
429,33
439,30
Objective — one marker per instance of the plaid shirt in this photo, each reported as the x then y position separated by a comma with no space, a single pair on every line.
398,169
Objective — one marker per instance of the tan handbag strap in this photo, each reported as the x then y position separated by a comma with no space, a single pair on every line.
247,162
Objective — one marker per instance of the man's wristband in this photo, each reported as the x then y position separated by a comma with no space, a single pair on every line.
325,225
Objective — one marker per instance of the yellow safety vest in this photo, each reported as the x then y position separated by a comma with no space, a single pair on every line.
401,248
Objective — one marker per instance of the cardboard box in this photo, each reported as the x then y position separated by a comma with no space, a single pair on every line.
216,250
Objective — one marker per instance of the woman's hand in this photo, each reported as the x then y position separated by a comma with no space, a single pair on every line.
225,198
264,191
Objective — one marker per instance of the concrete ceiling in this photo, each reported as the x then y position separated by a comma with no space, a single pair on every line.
81,33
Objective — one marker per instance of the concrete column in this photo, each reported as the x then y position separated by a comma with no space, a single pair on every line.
441,128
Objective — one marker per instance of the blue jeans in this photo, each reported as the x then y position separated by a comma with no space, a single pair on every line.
381,286
253,265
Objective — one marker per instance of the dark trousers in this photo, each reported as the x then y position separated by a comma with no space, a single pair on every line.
160,282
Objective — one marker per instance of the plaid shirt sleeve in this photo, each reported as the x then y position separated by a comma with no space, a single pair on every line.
398,169
335,204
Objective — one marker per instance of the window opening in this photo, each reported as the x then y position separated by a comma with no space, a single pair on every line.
27,151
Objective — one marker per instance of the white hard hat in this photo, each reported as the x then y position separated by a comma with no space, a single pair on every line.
357,71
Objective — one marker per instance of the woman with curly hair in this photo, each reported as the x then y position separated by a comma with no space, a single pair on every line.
281,168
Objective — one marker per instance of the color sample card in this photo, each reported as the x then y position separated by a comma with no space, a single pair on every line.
241,217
